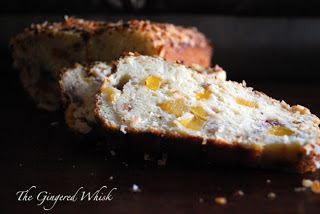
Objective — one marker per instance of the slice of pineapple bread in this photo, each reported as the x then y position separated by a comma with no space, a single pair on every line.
42,50
234,123
79,86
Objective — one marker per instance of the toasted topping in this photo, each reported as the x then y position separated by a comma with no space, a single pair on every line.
159,33
200,112
280,131
153,82
194,123
176,107
245,102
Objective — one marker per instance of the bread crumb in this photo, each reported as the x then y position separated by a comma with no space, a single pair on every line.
163,161
268,181
112,153
123,129
54,123
220,200
300,189
201,200
307,182
146,157
135,188
272,195
314,185
239,193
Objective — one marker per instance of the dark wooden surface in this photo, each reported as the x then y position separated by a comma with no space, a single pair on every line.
53,159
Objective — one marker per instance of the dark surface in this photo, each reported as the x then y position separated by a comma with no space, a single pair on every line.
53,159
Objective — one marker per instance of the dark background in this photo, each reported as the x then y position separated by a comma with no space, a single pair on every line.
273,45
271,40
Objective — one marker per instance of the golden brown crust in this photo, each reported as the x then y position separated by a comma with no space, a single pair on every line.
189,55
215,151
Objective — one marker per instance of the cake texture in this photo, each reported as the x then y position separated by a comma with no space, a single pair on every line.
79,86
42,50
224,121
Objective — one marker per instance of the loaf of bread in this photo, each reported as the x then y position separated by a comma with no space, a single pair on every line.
225,120
79,86
42,50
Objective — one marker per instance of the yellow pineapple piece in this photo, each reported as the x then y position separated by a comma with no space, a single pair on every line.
200,112
110,91
280,131
194,123
245,102
153,82
176,107
86,79
203,95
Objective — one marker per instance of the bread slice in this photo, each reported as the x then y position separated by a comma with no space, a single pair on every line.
79,86
42,50
224,121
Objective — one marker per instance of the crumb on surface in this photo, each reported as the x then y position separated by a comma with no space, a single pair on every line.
268,181
54,123
135,188
239,193
112,153
220,200
272,195
300,189
146,157
163,161
201,200
313,185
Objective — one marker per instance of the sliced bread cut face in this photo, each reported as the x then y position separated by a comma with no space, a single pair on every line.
42,50
79,86
151,95
78,89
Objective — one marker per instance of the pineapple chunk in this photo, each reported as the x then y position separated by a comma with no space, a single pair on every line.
200,112
280,131
153,82
245,102
194,123
110,91
203,95
176,107
86,79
